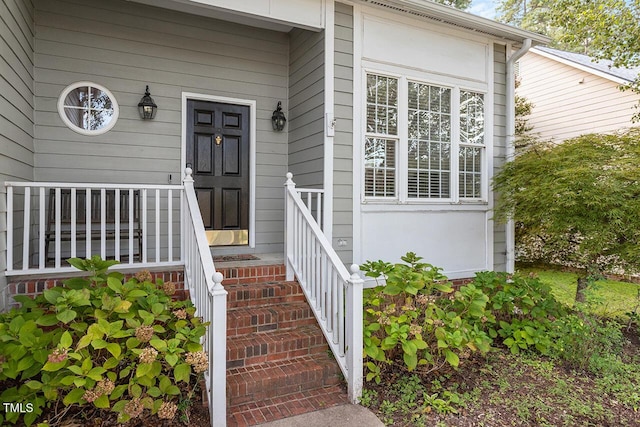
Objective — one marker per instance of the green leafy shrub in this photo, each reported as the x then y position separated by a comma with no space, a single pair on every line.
117,345
418,320
522,307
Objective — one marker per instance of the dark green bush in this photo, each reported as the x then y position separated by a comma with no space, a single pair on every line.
417,320
117,345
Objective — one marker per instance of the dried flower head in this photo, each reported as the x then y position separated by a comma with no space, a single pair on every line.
105,386
91,395
143,276
144,333
58,355
133,408
148,355
167,410
415,329
169,288
180,314
198,360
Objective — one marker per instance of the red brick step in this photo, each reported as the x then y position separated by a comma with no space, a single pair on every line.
257,295
252,349
248,320
278,407
280,378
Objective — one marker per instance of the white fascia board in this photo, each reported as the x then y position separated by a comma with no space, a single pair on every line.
580,67
458,18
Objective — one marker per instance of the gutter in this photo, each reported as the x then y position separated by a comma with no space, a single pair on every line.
511,130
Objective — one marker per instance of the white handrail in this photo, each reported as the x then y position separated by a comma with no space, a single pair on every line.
335,296
210,299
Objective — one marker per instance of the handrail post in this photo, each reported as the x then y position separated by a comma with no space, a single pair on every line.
187,182
218,401
354,314
290,186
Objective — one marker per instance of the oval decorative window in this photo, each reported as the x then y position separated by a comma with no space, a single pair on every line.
88,108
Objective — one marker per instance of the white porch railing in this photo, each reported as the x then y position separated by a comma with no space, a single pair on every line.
335,296
210,299
49,222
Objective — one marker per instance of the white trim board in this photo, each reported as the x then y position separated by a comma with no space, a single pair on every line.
252,147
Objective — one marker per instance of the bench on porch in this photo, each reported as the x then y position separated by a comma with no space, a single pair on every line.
93,228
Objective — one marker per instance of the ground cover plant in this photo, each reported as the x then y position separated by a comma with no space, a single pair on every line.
101,350
546,363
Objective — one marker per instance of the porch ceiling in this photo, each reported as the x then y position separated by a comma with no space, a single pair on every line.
208,9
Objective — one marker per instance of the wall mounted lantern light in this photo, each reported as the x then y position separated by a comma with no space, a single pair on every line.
278,119
147,107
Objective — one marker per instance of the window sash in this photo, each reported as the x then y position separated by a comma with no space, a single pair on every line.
423,142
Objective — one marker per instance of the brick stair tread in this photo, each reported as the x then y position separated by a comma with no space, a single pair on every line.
256,348
280,378
264,293
280,407
246,320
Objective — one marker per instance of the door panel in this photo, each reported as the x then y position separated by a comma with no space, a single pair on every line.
218,150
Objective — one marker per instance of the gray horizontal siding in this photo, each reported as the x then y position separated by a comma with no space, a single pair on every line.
124,46
343,142
16,110
306,108
500,147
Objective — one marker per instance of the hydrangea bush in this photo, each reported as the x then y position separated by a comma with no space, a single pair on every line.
114,344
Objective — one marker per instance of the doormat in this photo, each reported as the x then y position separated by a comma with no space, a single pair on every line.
227,258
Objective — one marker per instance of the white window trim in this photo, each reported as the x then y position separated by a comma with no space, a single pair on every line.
401,174
73,126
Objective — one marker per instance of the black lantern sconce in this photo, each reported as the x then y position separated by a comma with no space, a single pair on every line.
147,107
278,120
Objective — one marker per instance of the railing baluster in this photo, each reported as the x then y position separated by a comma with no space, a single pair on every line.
41,236
74,218
144,225
26,228
103,223
9,228
116,222
87,222
57,228
169,225
132,209
319,210
157,225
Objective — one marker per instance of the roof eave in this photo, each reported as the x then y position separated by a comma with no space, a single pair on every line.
459,18
582,67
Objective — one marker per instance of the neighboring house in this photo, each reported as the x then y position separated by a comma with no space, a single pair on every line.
574,95
398,113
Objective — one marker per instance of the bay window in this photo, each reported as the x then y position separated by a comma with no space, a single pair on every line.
437,155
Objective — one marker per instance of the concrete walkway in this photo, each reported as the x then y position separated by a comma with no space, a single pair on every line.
344,415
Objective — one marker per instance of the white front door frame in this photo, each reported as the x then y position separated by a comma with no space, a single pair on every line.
251,103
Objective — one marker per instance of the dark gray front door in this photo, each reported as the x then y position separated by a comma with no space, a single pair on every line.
218,152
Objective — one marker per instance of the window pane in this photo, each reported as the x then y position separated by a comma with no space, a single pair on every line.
471,117
429,142
382,104
380,167
78,97
100,100
470,161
